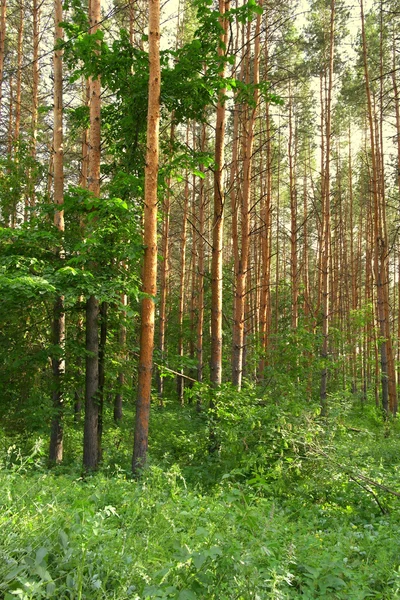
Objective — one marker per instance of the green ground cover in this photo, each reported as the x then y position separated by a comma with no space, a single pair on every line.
289,506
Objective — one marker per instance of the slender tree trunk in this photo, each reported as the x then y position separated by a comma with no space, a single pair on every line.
326,238
265,291
90,436
397,113
293,217
35,96
3,13
201,266
90,433
150,242
19,73
118,413
58,361
243,263
102,376
164,278
380,245
218,219
182,276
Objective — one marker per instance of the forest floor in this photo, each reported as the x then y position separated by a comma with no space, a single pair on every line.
288,506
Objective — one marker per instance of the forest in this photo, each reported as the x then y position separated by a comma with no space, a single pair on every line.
199,299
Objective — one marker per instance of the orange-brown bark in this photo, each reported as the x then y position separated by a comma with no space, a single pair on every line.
150,242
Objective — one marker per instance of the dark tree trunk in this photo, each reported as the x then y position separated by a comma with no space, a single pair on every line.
90,439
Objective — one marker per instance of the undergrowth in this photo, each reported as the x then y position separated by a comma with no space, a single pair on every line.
286,506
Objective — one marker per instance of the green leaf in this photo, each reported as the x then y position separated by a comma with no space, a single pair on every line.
64,541
187,595
199,558
43,573
40,554
50,588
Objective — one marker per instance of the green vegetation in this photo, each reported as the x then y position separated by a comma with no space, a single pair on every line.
283,509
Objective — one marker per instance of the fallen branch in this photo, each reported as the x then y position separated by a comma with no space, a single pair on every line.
358,475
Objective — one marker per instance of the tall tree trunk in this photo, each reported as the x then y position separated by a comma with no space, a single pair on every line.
3,13
201,266
218,219
35,97
150,243
397,113
102,376
58,361
180,379
380,243
90,436
326,224
118,413
293,216
19,72
164,276
243,263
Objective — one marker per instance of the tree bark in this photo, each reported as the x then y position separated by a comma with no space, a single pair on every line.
19,72
150,243
243,262
102,376
90,439
90,432
218,219
118,400
58,361
3,14
380,242
326,223
164,276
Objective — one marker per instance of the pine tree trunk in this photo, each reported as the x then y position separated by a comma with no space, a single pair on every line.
35,97
102,376
90,433
180,379
164,276
326,226
201,266
19,73
3,14
218,219
58,362
397,113
90,437
150,243
118,400
243,263
293,216
380,243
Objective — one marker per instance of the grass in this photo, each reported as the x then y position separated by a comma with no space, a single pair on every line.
274,514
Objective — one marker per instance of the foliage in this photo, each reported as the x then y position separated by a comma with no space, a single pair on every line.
272,519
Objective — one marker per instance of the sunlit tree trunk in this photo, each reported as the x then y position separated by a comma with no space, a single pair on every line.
182,278
241,275
19,73
218,218
380,242
201,267
3,14
150,243
58,361
35,96
326,223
